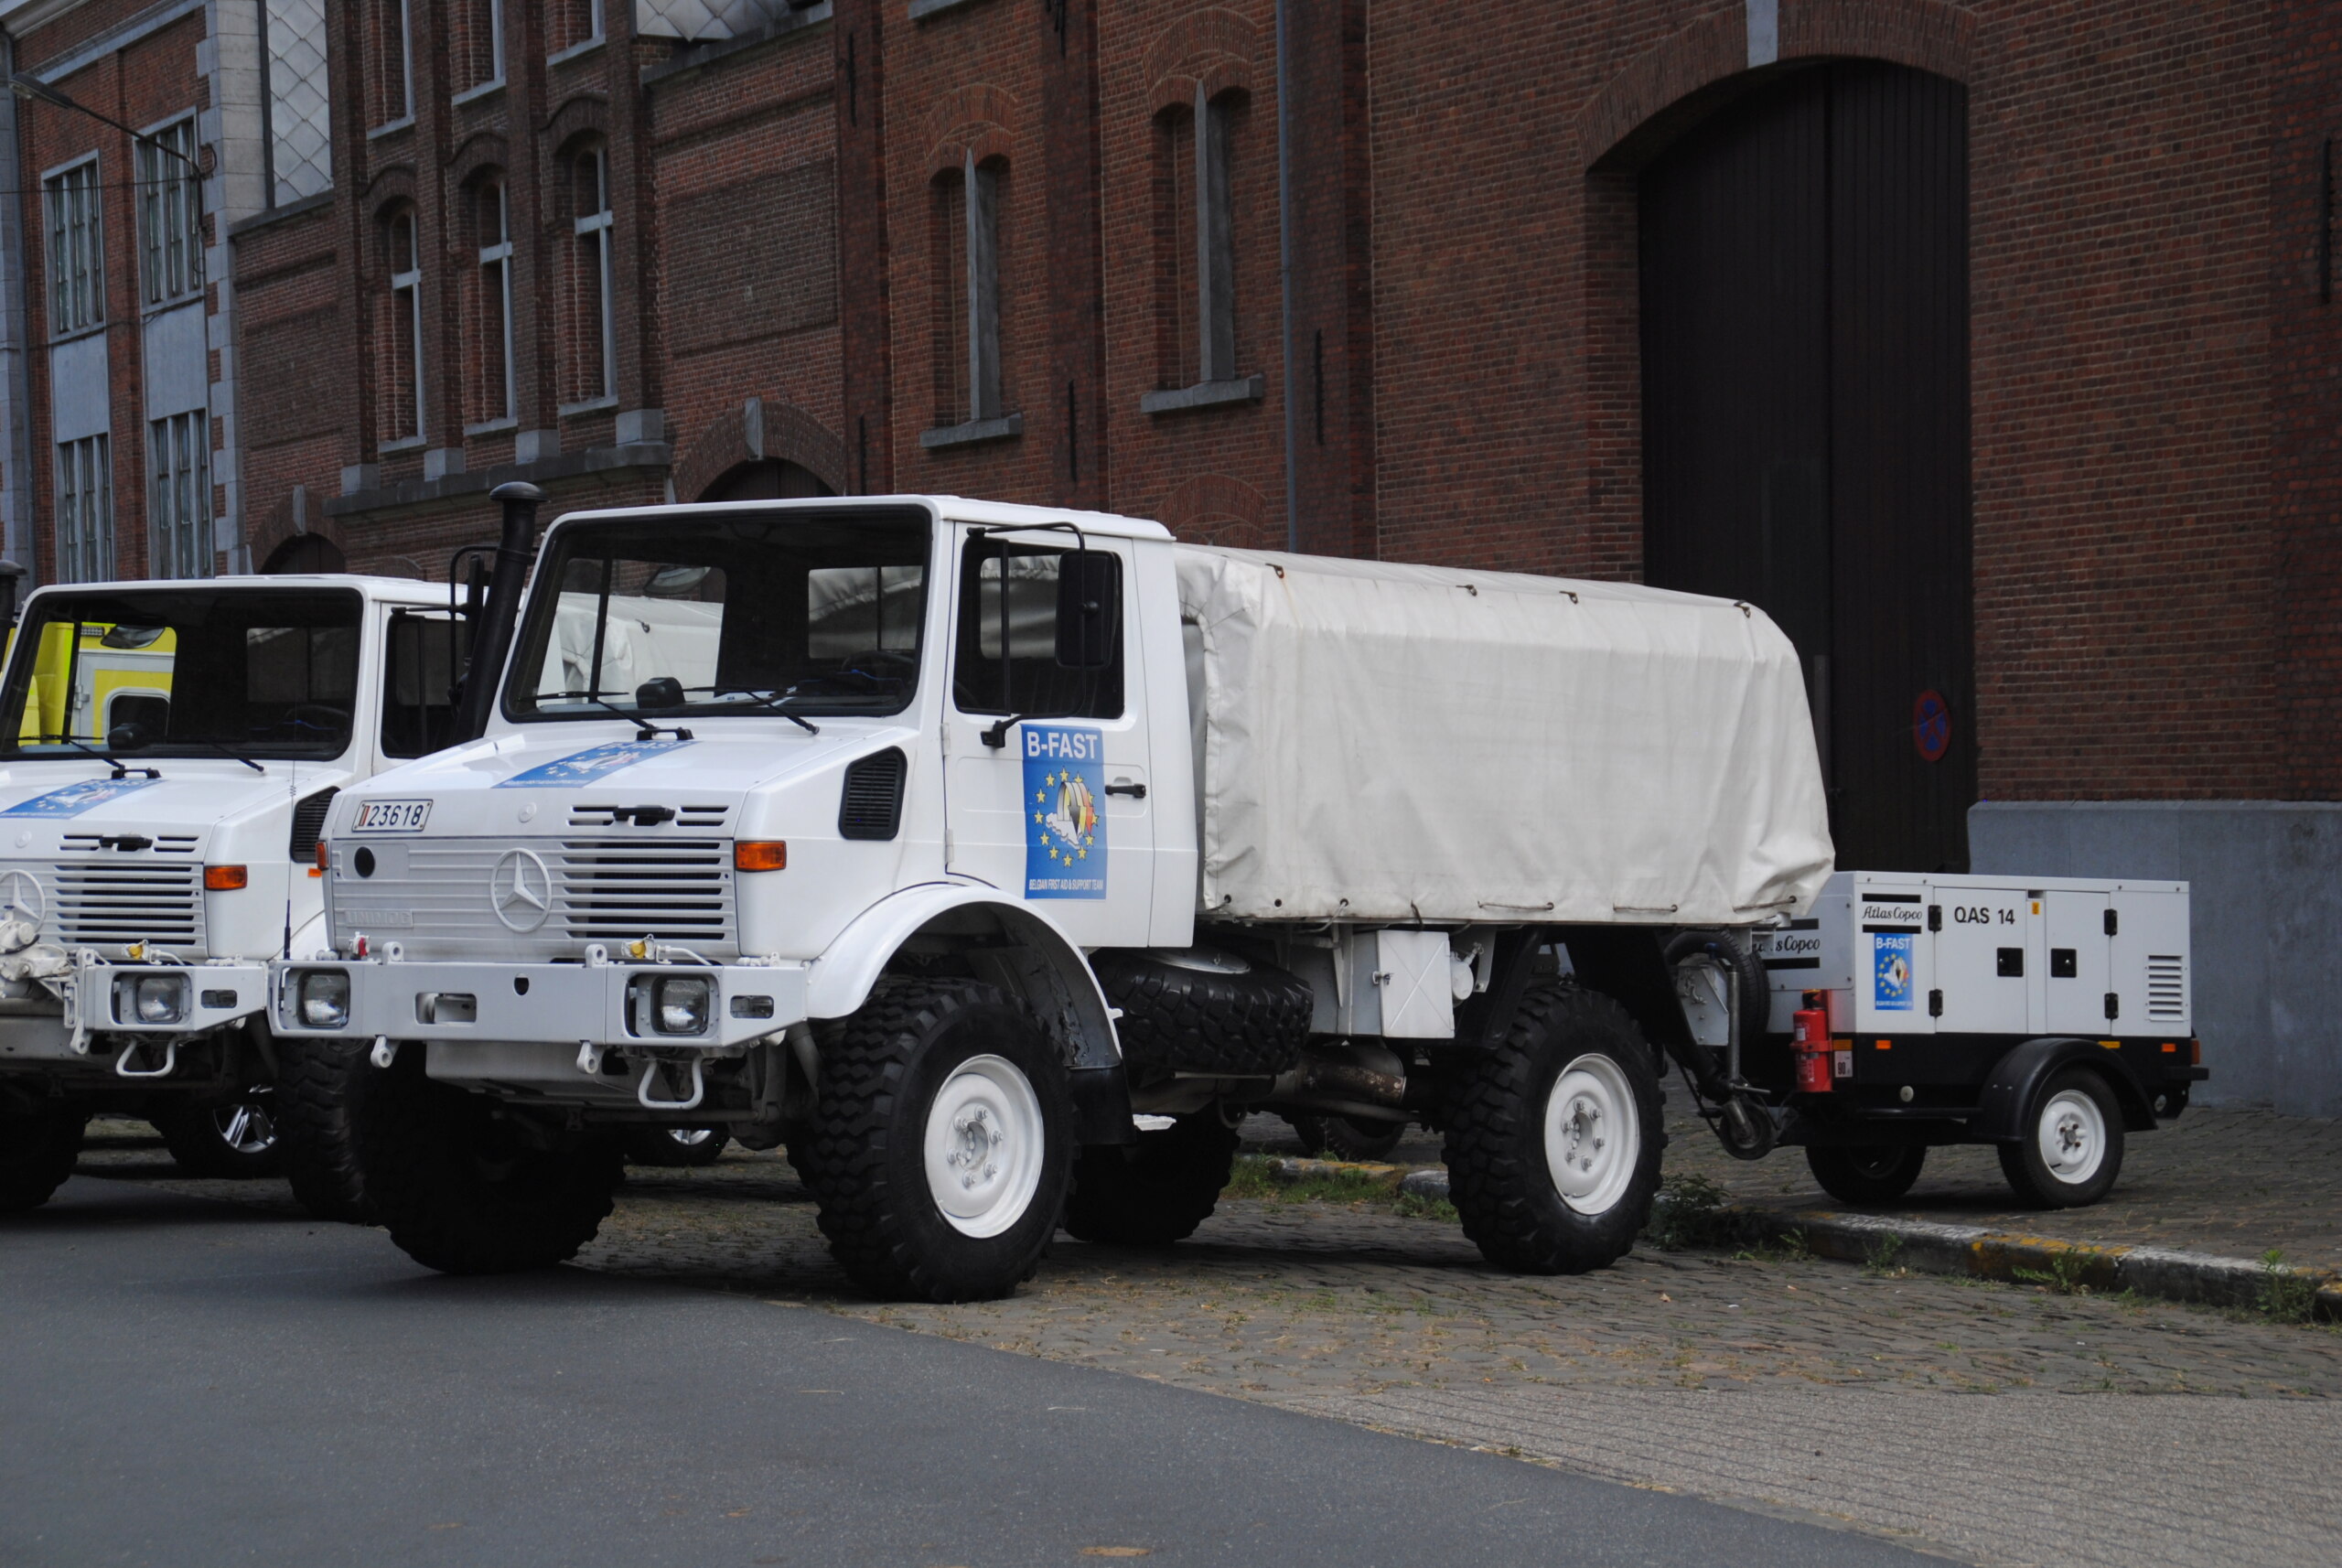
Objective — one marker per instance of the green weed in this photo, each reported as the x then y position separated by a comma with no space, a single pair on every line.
1879,1259
2286,1296
1692,1212
2064,1275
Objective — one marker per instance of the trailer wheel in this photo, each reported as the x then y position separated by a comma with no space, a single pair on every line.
236,1142
1867,1176
37,1148
319,1086
465,1190
1156,1191
942,1143
675,1146
2072,1147
1204,1011
1554,1137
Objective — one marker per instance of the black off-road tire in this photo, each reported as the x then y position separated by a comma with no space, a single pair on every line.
319,1086
1236,1016
1347,1137
661,1146
2029,1175
38,1149
868,1170
1867,1176
1501,1180
197,1137
464,1192
1156,1191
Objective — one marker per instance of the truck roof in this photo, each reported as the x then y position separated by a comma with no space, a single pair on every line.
387,590
952,508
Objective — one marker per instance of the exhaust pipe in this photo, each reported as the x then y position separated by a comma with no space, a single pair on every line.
492,631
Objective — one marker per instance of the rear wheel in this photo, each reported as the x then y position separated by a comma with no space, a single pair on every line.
2071,1149
1866,1176
1156,1191
466,1189
1347,1137
1554,1145
236,1143
37,1148
942,1143
675,1146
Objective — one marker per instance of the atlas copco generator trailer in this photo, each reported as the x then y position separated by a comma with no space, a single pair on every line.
167,753
997,860
2049,1017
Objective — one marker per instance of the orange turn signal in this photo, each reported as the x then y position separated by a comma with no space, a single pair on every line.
325,856
225,879
761,854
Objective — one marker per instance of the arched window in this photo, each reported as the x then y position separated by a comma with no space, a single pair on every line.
398,336
481,42
389,61
487,306
589,358
1194,242
966,293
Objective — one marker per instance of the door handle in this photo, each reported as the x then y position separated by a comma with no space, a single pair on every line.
1135,792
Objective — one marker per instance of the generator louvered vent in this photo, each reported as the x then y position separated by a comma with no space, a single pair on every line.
2166,986
308,822
873,804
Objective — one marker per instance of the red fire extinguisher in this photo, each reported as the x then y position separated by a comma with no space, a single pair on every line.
1810,1043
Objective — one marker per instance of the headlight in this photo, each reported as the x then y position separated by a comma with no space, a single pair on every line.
150,999
325,998
679,1005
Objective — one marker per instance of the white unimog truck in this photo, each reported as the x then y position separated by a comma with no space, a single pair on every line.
167,753
998,859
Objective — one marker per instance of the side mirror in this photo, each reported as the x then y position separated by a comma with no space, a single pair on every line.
129,736
659,694
1087,583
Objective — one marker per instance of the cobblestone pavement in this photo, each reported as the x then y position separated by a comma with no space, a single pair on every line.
1688,1370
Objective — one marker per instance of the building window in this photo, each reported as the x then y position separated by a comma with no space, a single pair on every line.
399,345
170,239
76,266
572,24
488,313
389,64
177,459
300,117
967,294
84,510
483,43
590,357
1195,244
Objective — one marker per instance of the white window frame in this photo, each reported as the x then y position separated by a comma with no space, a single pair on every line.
599,226
1215,245
980,210
85,510
179,508
498,255
76,249
406,295
169,198
495,44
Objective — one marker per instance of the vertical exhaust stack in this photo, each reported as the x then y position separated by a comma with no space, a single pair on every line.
492,631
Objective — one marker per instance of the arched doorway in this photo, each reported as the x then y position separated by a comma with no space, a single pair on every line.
1804,259
307,553
766,480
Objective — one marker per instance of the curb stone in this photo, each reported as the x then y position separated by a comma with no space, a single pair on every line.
1929,1246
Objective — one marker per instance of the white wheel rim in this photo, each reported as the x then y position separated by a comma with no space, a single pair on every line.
690,1137
1592,1137
246,1129
2072,1136
984,1145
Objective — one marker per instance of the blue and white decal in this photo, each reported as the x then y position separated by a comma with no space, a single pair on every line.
1064,838
584,767
76,799
1891,972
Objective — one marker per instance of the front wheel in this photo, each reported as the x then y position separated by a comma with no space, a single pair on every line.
942,1143
37,1148
1865,1176
235,1142
1553,1147
2071,1147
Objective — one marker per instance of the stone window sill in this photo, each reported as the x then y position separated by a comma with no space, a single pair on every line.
93,329
1205,394
403,444
591,405
474,94
974,433
491,428
391,128
922,9
574,52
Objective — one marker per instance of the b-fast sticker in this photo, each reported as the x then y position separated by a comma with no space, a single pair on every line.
1064,829
583,767
1891,972
76,799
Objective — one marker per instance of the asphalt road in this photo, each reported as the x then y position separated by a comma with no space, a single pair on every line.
190,1382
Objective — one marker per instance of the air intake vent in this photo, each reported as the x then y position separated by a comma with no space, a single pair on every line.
308,822
873,804
2166,986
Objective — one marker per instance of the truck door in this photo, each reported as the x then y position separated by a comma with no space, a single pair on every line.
2080,953
1045,662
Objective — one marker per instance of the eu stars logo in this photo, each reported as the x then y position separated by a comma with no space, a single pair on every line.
1065,848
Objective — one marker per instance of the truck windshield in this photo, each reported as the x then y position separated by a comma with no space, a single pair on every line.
183,672
814,612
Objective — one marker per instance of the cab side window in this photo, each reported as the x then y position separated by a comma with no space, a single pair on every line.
1040,631
419,674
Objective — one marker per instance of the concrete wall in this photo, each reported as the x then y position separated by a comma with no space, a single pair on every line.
2266,878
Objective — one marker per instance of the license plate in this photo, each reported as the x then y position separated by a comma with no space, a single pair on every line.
392,816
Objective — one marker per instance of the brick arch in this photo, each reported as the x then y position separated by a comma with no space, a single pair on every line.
1679,81
1214,509
588,113
286,521
1214,47
485,151
980,118
761,429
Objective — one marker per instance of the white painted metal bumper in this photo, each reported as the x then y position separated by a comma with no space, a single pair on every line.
566,1004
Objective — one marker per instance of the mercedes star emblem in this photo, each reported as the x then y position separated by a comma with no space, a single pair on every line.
521,890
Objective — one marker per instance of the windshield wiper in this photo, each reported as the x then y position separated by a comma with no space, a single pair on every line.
121,768
231,755
771,703
645,729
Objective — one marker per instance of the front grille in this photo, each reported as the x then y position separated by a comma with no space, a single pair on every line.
431,897
94,844
112,902
687,819
2166,986
677,890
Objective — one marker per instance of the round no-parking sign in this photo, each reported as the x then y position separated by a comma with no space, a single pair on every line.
1931,725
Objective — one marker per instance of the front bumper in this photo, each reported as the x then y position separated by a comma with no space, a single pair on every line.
99,1009
545,1004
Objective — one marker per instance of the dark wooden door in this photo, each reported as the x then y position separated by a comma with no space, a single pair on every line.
1805,422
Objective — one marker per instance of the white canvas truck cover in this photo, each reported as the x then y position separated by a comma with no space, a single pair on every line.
1379,742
